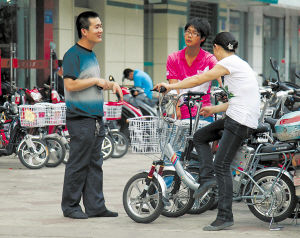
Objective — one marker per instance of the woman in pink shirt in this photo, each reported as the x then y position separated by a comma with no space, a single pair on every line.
192,60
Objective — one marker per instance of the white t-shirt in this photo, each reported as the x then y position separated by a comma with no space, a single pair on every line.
244,107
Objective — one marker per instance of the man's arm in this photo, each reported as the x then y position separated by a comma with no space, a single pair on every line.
78,84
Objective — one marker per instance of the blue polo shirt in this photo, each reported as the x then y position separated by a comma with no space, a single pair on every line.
143,80
81,63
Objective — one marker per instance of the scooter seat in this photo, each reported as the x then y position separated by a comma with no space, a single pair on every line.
262,127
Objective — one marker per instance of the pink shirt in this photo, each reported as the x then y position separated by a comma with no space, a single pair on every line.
177,68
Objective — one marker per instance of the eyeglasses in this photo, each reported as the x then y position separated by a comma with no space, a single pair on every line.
194,33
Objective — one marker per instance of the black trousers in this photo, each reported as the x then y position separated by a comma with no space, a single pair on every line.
83,173
233,135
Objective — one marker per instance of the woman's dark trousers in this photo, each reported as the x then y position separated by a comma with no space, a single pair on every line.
230,141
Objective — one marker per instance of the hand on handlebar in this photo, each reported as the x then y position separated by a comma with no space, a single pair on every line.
206,111
117,90
162,88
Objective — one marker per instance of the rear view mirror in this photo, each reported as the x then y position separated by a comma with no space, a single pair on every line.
111,78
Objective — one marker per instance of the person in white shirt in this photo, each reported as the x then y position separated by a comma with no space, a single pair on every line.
242,114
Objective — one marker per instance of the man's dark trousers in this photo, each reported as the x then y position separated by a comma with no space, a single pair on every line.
83,173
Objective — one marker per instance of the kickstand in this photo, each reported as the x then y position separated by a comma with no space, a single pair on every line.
273,226
295,219
276,227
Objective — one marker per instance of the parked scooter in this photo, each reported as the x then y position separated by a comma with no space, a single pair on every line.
139,94
137,97
128,111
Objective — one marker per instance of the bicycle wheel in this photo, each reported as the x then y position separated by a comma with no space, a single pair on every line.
57,151
107,147
180,195
67,147
204,203
142,209
121,144
281,202
33,160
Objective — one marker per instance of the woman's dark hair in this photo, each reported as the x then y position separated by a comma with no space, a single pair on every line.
126,72
82,21
201,25
227,41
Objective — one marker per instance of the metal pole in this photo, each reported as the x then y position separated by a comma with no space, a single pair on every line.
12,69
15,69
51,67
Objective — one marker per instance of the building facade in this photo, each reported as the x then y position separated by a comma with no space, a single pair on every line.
140,34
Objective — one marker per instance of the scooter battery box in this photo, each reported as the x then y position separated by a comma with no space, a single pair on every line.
243,157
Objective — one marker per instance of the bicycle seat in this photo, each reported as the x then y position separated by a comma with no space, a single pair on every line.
191,93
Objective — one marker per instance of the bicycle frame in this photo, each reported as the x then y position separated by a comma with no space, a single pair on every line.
169,154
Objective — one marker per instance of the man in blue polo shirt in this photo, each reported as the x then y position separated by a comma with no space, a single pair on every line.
140,79
84,100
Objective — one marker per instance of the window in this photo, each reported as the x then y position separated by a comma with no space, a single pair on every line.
273,45
238,29
208,11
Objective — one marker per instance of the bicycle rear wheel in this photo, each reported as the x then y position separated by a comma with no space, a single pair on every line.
180,196
121,144
107,147
142,209
57,151
281,202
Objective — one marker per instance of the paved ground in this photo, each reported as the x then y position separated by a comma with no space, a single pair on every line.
30,207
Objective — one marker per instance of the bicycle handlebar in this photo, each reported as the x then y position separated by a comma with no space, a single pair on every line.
200,94
162,90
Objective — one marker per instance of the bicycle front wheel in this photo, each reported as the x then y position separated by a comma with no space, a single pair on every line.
33,159
139,207
180,195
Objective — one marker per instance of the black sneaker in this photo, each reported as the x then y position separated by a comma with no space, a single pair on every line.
106,213
218,225
203,188
77,215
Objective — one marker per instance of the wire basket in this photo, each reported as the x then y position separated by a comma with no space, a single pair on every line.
151,134
112,110
144,134
42,114
58,114
178,133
